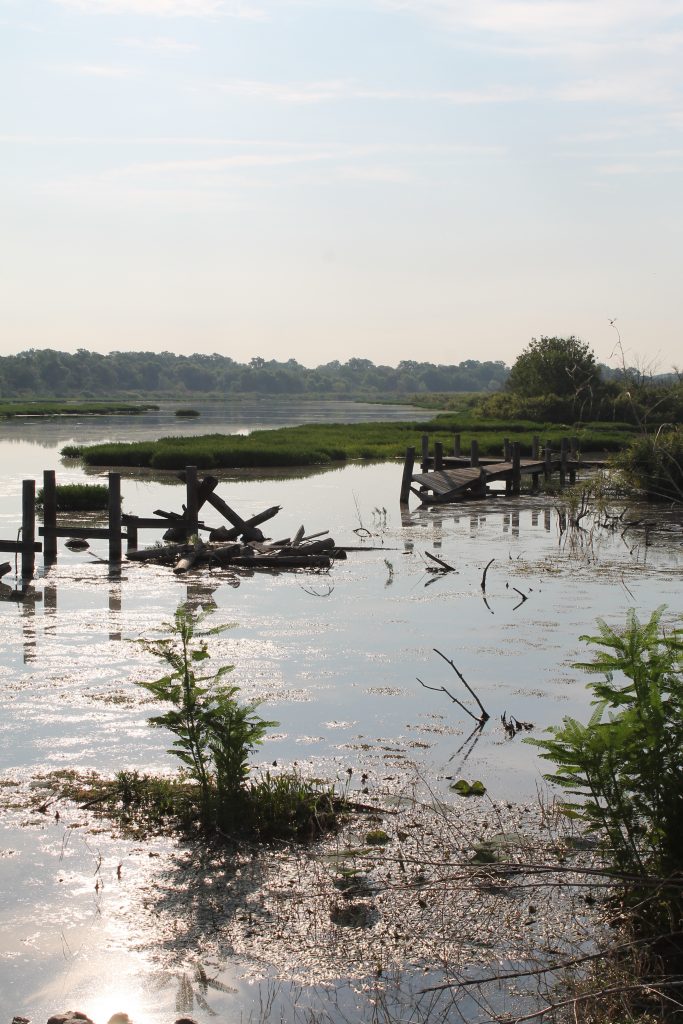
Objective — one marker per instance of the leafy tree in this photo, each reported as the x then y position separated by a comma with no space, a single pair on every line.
565,367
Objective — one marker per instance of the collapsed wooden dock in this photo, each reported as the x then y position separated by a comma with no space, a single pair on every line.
452,478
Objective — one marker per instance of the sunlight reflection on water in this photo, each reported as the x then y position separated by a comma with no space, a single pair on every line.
334,657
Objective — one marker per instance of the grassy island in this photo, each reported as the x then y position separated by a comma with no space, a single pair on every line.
318,444
8,410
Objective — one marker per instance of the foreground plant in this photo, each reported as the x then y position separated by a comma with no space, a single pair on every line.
214,737
627,768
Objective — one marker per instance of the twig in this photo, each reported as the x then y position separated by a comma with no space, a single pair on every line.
484,713
442,689
444,565
483,579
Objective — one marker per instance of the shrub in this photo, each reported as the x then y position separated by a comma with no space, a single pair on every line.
627,770
653,464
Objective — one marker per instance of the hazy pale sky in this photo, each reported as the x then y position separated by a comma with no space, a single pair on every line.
320,179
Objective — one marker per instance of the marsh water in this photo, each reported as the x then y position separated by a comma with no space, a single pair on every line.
94,921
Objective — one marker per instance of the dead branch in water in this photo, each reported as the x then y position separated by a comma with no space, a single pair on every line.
481,719
483,579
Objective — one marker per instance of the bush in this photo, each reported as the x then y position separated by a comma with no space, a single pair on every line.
627,770
653,464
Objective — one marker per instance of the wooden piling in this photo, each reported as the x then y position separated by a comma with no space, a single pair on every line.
192,501
408,466
548,470
574,457
456,445
438,455
114,517
28,529
535,446
564,455
425,453
131,534
507,452
516,468
474,452
49,517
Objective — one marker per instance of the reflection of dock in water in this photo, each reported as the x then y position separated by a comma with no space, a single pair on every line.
28,597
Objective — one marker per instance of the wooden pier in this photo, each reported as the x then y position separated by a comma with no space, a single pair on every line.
451,478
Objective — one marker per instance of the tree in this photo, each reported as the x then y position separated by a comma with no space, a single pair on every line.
565,367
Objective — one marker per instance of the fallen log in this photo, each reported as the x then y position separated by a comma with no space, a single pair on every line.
188,560
223,534
167,553
5,567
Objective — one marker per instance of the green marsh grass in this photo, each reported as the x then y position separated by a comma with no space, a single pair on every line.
318,444
78,497
10,409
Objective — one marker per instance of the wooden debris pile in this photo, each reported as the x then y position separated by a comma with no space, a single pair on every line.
242,544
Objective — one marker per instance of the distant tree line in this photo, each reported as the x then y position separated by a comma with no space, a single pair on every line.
48,373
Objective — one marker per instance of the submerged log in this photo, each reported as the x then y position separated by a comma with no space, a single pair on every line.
246,527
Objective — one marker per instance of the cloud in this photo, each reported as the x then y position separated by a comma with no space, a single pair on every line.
169,8
341,90
101,71
160,44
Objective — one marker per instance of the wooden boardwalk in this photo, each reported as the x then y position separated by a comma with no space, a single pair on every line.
445,479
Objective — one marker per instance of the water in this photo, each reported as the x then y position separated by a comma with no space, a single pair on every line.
93,920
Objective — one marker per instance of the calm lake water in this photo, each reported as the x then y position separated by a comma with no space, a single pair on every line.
334,656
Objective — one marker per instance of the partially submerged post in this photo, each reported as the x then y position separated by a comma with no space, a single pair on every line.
564,457
114,517
548,471
425,453
28,528
407,479
49,517
438,455
474,452
507,456
516,468
535,446
456,445
192,500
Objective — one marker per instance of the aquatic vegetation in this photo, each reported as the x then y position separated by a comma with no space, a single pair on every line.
318,444
627,770
10,409
78,497
653,464
215,735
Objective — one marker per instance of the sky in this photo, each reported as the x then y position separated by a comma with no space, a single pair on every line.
319,179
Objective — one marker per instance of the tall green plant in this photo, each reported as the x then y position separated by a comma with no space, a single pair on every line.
214,733
626,765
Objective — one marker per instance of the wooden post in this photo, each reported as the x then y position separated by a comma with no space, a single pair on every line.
438,455
456,445
548,472
192,501
516,471
408,466
506,449
474,452
535,446
131,536
425,453
28,528
574,458
114,517
49,517
564,453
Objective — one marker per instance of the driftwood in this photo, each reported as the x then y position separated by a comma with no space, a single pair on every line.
5,567
246,529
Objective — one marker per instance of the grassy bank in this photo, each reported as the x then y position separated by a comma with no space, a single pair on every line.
323,443
8,410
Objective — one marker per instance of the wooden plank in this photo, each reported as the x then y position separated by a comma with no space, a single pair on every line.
15,546
448,479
